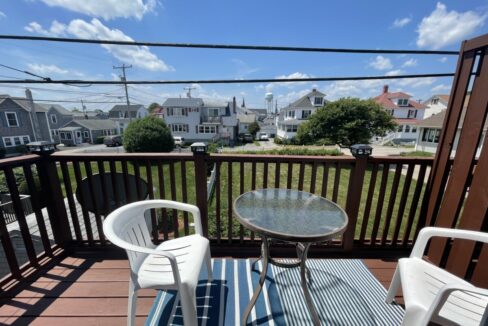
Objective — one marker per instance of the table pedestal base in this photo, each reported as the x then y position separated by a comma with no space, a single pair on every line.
302,251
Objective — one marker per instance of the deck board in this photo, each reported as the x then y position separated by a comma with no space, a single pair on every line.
90,288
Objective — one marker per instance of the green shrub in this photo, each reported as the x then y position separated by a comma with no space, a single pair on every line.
417,154
149,134
99,140
296,151
21,149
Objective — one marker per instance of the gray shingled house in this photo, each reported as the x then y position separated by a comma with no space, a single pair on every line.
21,121
86,131
58,117
122,115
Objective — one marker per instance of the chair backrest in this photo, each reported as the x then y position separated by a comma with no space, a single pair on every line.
127,227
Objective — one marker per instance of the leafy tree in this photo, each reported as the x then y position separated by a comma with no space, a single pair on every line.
149,134
346,122
153,106
75,110
253,128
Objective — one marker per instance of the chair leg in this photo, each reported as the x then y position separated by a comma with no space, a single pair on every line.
188,305
395,284
131,313
208,262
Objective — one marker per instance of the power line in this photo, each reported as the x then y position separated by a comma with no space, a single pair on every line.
222,81
78,101
60,90
222,46
25,72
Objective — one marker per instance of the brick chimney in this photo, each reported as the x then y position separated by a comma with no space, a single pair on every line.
385,89
234,104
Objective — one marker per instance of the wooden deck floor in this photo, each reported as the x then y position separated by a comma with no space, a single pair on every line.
90,288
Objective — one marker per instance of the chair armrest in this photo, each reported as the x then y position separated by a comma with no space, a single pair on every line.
428,232
445,292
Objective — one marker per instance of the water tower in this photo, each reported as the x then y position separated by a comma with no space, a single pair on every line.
269,102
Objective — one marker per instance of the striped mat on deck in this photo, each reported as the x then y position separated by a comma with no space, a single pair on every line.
344,292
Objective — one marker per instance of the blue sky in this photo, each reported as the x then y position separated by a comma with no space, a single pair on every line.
348,24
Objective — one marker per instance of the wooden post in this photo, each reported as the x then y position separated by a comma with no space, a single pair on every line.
200,154
56,209
354,195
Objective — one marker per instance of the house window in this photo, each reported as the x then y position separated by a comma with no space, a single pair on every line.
69,135
12,120
17,141
431,135
7,141
54,119
213,112
291,128
434,101
407,128
318,101
26,139
412,114
290,114
390,112
403,102
306,114
400,128
179,112
86,134
204,129
178,127
414,128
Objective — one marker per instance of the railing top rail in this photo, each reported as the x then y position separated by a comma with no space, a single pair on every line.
278,158
402,159
60,156
18,160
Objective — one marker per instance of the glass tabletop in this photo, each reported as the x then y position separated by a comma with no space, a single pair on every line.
290,215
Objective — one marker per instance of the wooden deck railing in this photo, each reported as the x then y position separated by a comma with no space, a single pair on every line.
383,196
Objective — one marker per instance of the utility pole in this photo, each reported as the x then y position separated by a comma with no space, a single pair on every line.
83,108
124,80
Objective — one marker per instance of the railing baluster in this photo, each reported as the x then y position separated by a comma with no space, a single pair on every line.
184,196
86,216
137,174
115,190
103,183
150,189
217,202
265,175
162,195
379,204
301,176
337,179
8,248
289,176
277,175
172,179
229,201
313,177
325,180
241,191
19,212
253,177
414,205
33,191
71,202
391,203
403,203
93,195
369,200
128,190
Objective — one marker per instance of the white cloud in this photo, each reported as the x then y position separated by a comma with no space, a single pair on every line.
442,28
395,72
354,88
270,86
107,9
401,22
441,88
46,69
139,56
2,15
443,59
410,63
381,63
416,82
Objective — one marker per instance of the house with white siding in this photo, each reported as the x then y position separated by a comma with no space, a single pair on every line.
435,104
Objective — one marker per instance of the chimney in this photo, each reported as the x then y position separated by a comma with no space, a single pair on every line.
234,104
35,122
314,90
385,89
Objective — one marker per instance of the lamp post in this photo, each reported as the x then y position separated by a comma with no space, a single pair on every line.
361,150
198,148
199,151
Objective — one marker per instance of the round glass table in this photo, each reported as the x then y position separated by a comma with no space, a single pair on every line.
289,215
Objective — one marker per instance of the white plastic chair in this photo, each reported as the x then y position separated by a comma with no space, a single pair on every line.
433,294
173,265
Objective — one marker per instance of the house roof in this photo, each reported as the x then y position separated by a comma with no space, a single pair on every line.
385,100
305,101
69,128
94,124
57,107
22,102
214,103
434,121
405,121
259,111
183,102
125,108
444,98
246,118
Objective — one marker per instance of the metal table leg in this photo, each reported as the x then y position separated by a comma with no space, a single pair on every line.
262,278
306,293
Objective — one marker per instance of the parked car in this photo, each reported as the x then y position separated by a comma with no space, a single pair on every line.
263,136
179,141
114,140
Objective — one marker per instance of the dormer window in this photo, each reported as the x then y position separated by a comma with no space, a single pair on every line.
435,100
403,102
290,114
318,101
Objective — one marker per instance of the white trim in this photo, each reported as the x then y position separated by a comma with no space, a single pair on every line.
51,117
12,140
49,127
16,119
